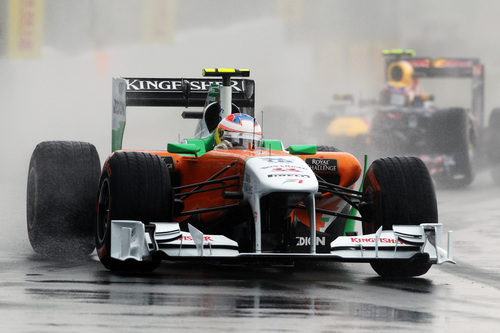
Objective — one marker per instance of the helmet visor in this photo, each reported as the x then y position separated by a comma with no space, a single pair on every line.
241,140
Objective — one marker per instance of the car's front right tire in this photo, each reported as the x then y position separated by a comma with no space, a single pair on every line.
398,191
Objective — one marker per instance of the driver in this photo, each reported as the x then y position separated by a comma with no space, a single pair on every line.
238,131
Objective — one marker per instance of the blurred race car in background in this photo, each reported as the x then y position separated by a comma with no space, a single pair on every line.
254,203
407,122
453,141
346,123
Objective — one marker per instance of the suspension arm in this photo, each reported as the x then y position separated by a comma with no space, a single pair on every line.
333,213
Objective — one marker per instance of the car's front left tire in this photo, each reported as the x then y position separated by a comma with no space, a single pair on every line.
133,186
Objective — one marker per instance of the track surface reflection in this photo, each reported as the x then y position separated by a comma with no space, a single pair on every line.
40,295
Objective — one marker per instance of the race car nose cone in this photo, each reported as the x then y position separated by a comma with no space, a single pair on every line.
278,174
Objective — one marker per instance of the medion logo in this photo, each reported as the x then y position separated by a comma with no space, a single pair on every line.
174,85
303,241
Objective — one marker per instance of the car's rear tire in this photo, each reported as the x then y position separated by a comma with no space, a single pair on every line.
493,146
456,138
133,186
495,173
398,191
60,206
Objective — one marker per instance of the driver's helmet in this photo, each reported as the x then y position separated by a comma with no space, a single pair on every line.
240,130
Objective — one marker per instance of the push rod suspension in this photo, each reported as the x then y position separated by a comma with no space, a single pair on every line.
346,197
337,188
208,182
200,185
333,213
207,189
327,189
206,210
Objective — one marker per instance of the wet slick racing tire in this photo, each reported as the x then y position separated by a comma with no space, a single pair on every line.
398,191
455,138
493,147
133,186
60,206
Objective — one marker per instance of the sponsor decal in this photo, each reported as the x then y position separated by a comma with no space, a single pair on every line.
287,175
284,166
175,85
276,160
372,240
303,241
299,181
205,238
169,161
318,164
285,170
423,63
443,63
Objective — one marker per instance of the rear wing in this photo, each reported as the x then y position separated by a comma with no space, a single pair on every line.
425,67
445,67
171,92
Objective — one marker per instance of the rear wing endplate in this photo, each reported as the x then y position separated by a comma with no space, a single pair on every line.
170,92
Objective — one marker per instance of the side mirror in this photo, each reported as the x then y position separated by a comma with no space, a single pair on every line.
183,148
302,149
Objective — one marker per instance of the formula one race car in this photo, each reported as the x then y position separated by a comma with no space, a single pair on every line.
406,122
255,202
346,123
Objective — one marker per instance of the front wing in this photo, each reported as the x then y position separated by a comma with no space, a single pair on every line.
133,240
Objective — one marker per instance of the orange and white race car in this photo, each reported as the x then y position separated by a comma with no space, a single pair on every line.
249,203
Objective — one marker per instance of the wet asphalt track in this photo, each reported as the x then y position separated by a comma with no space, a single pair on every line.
39,295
